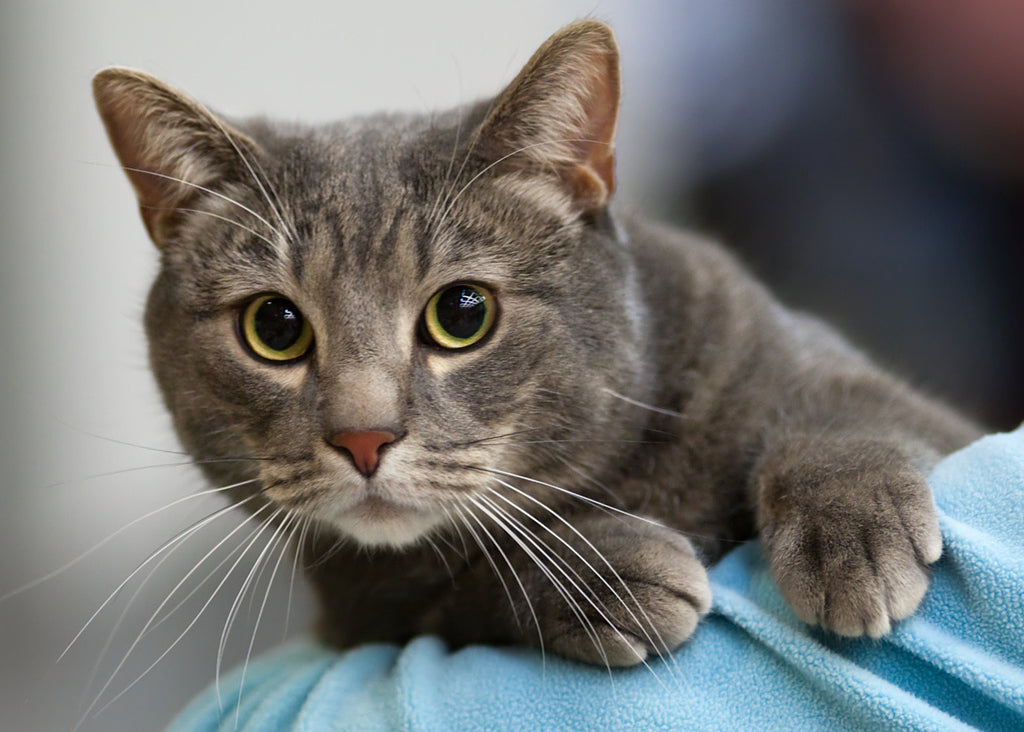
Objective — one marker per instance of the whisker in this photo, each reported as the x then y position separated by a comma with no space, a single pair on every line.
259,575
496,437
522,589
168,614
440,555
573,494
120,621
96,547
458,531
443,192
290,519
336,547
607,507
646,625
585,476
153,466
236,604
174,644
156,613
642,405
487,554
231,221
181,536
524,539
299,545
436,220
497,162
575,442
211,192
580,583
116,441
259,183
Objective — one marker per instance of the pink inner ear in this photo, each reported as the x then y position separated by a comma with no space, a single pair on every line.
595,176
157,195
590,186
129,106
169,145
559,113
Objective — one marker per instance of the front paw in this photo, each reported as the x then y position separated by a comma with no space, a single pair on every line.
632,590
850,548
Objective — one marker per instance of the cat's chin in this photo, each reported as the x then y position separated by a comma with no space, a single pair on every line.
381,524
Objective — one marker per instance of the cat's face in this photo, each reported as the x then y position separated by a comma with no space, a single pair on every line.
393,316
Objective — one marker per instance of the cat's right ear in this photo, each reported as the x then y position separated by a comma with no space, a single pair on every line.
171,147
558,115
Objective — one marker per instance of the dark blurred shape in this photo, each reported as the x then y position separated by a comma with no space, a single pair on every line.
828,149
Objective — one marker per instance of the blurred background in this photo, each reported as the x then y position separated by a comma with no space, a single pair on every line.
864,157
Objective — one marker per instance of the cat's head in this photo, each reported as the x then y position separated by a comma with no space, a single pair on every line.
382,322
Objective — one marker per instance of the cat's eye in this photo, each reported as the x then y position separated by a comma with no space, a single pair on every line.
459,315
275,329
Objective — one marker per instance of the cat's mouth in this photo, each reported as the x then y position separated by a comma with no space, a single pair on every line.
375,508
376,521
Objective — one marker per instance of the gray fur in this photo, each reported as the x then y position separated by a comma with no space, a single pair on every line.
629,364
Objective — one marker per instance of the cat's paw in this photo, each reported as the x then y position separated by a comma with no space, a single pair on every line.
643,594
850,548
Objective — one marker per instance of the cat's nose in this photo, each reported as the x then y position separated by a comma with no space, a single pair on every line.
363,446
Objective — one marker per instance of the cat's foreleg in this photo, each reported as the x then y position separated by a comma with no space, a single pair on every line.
849,527
610,590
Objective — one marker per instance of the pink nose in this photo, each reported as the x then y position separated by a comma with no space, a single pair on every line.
364,447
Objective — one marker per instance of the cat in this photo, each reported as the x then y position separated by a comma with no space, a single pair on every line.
486,406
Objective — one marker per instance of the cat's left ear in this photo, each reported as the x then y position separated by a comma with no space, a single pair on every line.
559,113
172,148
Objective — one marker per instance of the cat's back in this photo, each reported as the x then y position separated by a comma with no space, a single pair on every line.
734,360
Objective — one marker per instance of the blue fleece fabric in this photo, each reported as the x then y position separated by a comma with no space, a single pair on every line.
957,664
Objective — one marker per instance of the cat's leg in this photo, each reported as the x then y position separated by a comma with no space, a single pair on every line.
849,527
610,590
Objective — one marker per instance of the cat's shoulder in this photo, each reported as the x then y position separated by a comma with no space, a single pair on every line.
680,258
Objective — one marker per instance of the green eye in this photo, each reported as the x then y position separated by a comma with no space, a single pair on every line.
275,330
459,315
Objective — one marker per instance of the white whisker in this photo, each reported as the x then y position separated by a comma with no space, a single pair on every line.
174,643
210,191
487,554
458,531
299,548
642,405
440,555
180,537
236,604
255,177
168,614
231,221
290,519
525,539
443,192
99,545
497,162
566,491
646,625
120,621
519,582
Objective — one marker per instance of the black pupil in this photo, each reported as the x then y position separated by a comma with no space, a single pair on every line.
278,323
461,311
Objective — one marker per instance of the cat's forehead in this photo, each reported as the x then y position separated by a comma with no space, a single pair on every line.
392,201
359,159
396,194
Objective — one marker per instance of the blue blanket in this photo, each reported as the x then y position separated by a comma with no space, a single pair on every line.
957,664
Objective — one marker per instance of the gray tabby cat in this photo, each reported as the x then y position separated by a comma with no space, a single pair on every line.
511,415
